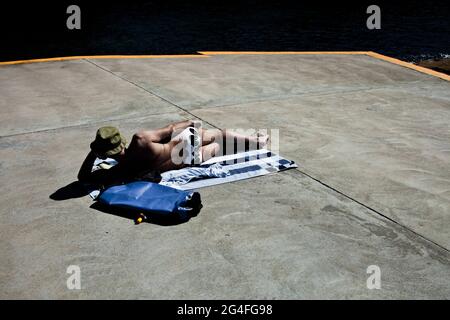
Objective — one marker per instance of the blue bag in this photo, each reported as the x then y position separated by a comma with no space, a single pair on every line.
151,197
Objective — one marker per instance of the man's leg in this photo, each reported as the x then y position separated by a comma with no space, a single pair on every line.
230,142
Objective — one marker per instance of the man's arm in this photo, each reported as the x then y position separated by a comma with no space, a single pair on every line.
164,134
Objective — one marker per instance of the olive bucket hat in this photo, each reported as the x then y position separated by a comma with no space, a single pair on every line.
108,141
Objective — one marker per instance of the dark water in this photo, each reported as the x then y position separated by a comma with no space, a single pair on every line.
409,30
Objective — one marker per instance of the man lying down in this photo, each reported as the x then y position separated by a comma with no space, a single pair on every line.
152,152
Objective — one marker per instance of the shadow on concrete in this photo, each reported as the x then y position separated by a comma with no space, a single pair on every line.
72,190
77,190
159,219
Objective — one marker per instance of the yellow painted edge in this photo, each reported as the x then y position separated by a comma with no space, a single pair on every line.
205,54
369,53
212,53
409,65
103,57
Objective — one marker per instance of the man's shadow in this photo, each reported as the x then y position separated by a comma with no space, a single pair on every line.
76,189
72,190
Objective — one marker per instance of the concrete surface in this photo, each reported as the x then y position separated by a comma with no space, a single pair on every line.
373,186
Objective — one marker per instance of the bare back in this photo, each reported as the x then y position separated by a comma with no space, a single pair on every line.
144,153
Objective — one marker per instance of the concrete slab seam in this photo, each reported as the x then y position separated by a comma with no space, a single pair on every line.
372,209
150,92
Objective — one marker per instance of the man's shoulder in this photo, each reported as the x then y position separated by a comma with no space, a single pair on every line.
144,136
139,139
142,141
139,135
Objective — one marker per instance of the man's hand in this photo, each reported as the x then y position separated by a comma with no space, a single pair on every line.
180,126
196,124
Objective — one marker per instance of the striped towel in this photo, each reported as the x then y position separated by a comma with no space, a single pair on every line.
241,166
